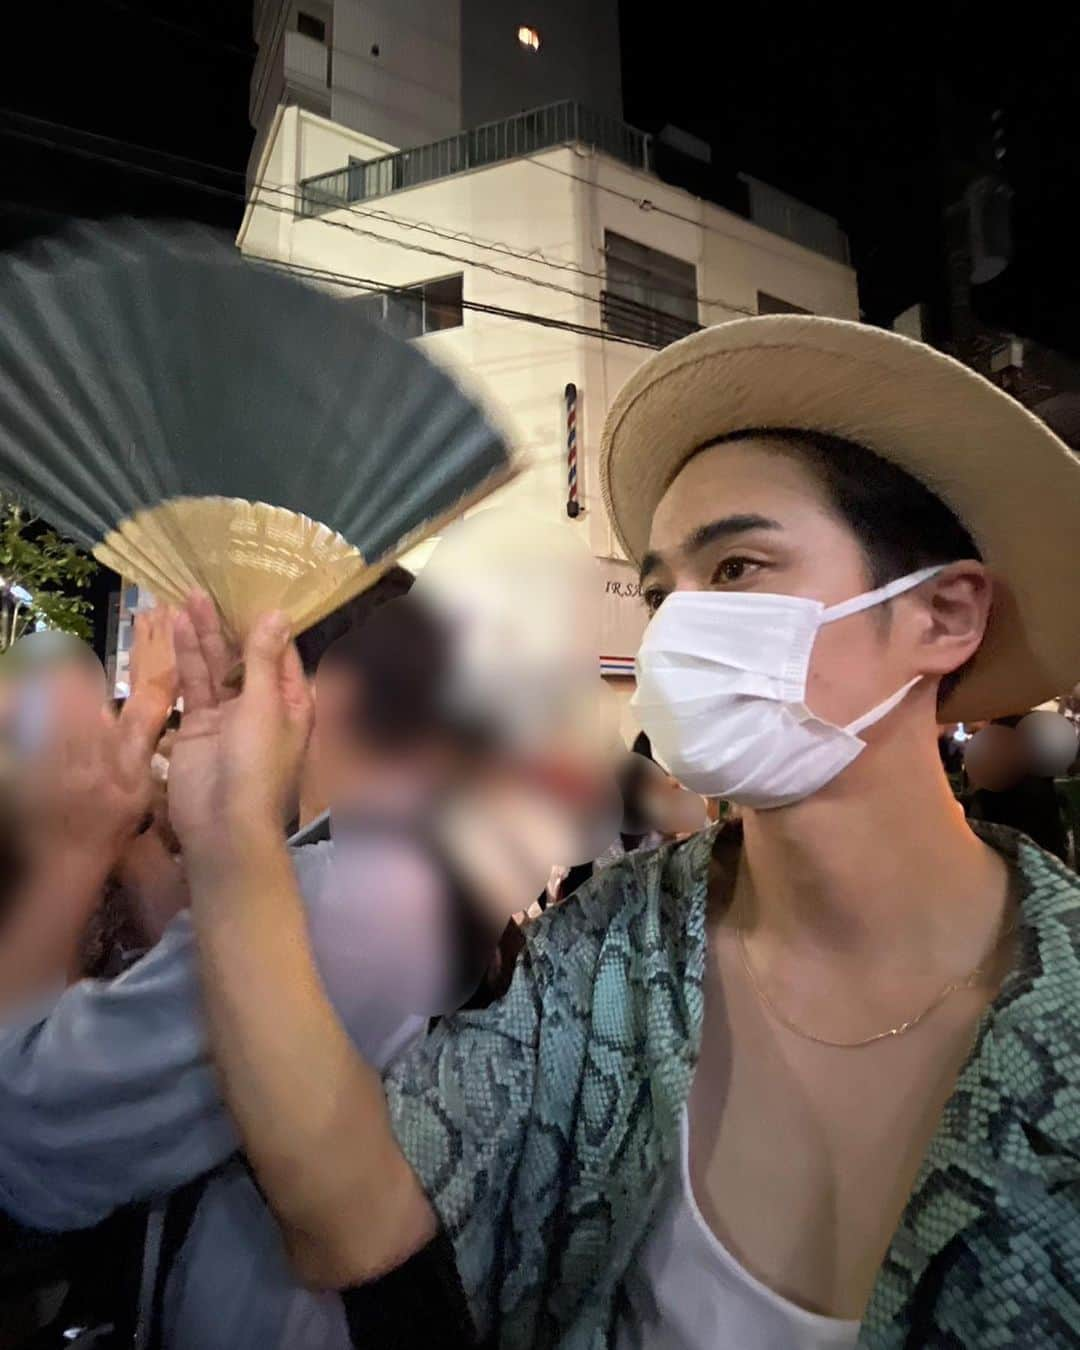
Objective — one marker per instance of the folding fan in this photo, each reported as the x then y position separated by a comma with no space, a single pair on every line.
198,421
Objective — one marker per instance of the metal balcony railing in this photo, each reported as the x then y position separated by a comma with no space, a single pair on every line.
627,318
541,129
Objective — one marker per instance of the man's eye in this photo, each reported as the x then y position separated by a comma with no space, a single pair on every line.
654,598
732,570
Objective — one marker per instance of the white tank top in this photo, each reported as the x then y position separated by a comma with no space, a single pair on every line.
687,1292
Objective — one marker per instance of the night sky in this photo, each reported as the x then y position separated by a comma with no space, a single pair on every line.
853,109
170,77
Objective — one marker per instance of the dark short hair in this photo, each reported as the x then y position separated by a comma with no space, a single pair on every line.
314,643
901,525
400,659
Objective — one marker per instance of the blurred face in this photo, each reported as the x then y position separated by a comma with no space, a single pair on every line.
748,517
51,703
342,763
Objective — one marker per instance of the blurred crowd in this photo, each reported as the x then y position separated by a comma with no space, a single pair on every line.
463,774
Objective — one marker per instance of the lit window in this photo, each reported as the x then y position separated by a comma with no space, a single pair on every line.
529,37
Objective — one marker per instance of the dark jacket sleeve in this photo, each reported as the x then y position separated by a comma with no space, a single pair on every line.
420,1304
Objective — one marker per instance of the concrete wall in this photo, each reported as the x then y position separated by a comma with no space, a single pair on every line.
397,68
408,72
578,57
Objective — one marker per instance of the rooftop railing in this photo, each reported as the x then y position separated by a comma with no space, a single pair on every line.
524,134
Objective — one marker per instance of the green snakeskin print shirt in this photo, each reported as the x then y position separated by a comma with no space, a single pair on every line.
542,1128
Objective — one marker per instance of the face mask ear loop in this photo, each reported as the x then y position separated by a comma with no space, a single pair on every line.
882,710
883,593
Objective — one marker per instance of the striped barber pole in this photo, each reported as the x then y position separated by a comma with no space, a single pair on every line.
573,505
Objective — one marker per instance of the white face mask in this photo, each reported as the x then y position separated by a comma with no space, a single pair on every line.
721,693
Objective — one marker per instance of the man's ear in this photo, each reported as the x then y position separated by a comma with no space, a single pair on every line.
956,611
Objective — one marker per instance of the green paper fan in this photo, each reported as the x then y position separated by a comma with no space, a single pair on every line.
198,421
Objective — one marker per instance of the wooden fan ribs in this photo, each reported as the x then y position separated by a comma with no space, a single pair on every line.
250,556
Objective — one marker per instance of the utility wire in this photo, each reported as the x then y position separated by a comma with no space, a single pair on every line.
647,204
126,145
374,235
344,279
351,282
405,223
211,39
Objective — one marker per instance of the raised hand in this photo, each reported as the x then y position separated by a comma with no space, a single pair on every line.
236,758
82,791
89,785
153,677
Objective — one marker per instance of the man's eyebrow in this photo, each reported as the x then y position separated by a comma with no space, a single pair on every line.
724,528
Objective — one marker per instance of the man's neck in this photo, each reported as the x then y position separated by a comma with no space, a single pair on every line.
879,867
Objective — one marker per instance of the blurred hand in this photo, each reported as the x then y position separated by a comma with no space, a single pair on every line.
88,789
235,759
153,678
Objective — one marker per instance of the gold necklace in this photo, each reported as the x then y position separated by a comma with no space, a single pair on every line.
968,982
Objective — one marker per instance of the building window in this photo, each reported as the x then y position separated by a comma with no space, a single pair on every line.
529,37
310,26
428,307
650,296
772,304
442,304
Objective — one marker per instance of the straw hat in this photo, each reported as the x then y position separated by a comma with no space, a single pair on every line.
1009,479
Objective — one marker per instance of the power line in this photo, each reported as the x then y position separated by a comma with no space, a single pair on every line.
284,210
351,282
426,227
83,153
344,279
424,249
647,204
127,145
209,38
505,249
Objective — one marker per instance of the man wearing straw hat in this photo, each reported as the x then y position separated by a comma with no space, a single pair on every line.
813,1084
816,1083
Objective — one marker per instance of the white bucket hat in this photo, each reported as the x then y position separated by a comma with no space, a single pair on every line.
1013,484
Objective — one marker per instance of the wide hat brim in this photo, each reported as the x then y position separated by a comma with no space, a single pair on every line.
1012,482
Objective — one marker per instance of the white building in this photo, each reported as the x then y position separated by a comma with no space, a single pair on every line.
410,71
533,254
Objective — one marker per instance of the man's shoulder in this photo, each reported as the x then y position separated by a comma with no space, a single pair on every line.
1036,1023
645,892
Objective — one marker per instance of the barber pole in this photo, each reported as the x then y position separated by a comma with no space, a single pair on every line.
573,505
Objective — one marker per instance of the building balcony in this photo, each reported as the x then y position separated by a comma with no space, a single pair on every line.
524,134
